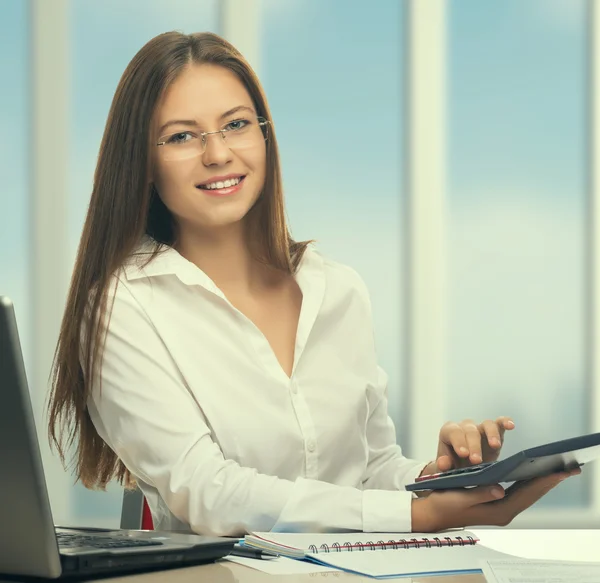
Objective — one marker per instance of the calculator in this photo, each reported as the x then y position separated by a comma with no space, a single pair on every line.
542,460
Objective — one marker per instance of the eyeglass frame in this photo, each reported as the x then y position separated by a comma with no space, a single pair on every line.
262,122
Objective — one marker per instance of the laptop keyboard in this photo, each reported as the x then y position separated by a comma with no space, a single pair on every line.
69,541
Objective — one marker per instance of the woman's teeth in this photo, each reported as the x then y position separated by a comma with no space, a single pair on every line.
217,185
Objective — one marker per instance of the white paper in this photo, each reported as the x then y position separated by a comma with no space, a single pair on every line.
279,566
531,571
544,545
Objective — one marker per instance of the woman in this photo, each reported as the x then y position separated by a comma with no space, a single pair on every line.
203,353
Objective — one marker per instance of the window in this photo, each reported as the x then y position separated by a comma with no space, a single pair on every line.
517,228
15,164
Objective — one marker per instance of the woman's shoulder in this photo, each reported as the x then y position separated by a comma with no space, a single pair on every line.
136,266
340,275
147,255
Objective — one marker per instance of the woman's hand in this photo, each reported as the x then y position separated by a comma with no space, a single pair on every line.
484,505
468,443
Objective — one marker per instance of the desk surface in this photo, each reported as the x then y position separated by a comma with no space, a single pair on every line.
227,572
568,545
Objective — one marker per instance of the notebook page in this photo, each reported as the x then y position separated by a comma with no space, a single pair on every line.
280,566
297,544
418,562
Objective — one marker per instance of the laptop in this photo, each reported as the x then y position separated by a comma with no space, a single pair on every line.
30,544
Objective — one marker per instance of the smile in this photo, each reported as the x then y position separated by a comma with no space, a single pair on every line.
221,184
222,187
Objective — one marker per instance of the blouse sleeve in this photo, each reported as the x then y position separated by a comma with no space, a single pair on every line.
387,468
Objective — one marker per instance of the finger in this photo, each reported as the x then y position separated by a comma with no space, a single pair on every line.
473,438
522,495
517,498
480,494
504,424
492,432
444,463
573,470
453,435
554,479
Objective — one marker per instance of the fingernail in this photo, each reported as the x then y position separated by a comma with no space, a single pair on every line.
464,450
497,492
510,423
494,442
476,457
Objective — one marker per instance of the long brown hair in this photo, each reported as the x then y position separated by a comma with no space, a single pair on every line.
123,208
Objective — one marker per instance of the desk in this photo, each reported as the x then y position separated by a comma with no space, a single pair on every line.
568,545
226,572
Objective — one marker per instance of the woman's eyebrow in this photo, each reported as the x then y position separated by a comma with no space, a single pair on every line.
194,123
183,122
235,110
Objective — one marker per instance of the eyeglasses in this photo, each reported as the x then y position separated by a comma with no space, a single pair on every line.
238,135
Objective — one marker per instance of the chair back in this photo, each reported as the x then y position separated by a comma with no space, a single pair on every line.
135,512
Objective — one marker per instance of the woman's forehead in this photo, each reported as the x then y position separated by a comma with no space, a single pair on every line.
204,93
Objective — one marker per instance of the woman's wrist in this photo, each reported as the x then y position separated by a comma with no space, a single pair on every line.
421,519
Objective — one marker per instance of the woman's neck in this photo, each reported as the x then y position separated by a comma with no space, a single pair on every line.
225,256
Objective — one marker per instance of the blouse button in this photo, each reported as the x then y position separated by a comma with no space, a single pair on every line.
311,445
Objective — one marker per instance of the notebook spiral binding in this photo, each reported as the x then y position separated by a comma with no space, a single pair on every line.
405,543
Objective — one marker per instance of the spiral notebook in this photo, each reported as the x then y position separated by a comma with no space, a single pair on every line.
383,555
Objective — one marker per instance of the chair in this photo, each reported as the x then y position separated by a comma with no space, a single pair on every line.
135,512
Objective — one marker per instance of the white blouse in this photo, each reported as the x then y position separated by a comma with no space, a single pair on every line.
221,440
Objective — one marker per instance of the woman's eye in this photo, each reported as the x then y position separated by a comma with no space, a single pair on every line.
238,124
180,138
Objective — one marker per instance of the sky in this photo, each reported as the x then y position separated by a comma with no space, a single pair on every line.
334,76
